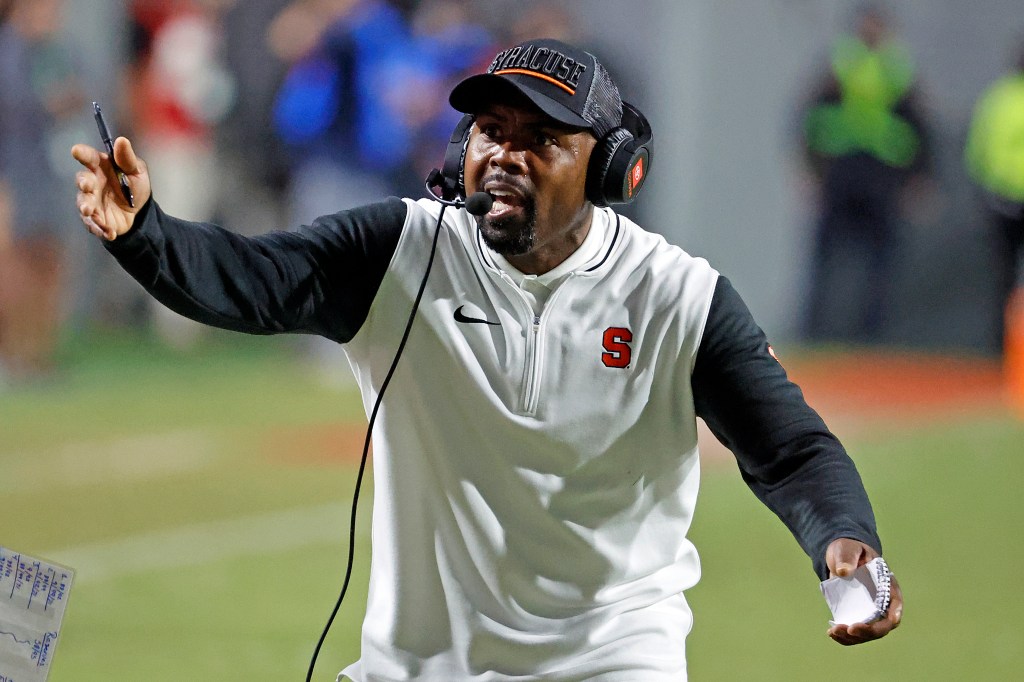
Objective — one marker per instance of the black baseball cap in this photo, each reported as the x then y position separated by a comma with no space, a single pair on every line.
566,83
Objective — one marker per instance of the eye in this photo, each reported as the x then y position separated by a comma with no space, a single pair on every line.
490,130
544,139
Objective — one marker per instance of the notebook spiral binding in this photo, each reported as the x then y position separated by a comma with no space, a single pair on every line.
883,585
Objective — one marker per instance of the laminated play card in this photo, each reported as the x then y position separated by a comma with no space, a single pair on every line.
33,595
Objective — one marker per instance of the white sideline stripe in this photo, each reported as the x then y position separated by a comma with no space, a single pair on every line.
207,543
133,458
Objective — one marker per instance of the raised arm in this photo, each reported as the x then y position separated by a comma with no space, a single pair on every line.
319,279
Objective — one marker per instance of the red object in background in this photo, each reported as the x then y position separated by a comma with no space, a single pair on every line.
1013,357
174,43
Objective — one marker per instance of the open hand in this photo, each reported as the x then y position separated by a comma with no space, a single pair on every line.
101,206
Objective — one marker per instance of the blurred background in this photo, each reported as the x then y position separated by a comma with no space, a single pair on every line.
263,115
856,169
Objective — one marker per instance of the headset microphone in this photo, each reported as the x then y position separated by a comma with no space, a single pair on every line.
478,203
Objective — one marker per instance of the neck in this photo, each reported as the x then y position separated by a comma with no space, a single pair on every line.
548,255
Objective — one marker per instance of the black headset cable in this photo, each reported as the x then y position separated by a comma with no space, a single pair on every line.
366,447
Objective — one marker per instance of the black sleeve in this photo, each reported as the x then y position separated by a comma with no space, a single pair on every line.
320,279
786,454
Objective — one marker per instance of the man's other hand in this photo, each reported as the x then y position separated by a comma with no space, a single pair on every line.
843,557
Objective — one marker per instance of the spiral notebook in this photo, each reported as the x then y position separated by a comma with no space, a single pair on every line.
861,597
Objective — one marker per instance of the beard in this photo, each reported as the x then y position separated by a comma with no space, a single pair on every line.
512,235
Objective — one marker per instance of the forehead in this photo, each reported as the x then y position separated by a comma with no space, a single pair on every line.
524,115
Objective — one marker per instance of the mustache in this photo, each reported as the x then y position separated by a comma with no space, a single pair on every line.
509,180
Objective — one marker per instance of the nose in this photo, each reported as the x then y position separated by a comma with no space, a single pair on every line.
509,159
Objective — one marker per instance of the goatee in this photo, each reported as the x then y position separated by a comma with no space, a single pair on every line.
512,235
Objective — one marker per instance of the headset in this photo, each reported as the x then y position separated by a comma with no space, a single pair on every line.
617,170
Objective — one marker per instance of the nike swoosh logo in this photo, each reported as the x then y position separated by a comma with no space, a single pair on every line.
461,317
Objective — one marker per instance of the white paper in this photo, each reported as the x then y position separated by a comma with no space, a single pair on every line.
33,595
853,599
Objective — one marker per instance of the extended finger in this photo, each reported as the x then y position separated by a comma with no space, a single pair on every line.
86,155
85,181
85,203
93,228
86,211
125,156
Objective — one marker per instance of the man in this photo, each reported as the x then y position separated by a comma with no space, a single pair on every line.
536,460
994,154
38,93
865,141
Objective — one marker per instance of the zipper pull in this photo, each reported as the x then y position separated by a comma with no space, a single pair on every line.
536,323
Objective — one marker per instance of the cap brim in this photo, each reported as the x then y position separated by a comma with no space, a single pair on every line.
475,92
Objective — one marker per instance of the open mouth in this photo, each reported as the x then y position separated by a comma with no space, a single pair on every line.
506,202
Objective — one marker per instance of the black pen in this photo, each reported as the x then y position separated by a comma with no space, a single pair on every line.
105,134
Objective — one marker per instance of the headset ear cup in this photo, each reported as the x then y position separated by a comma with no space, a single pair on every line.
621,160
618,169
601,175
633,174
454,169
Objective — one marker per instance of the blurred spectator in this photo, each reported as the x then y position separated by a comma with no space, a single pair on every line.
253,155
362,108
995,160
446,45
332,111
180,90
38,90
866,144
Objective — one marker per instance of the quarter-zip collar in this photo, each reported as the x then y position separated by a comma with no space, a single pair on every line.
590,252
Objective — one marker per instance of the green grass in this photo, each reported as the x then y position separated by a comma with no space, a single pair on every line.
236,402
947,503
138,440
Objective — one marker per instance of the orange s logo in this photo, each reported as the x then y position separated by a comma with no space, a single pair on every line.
616,345
636,176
